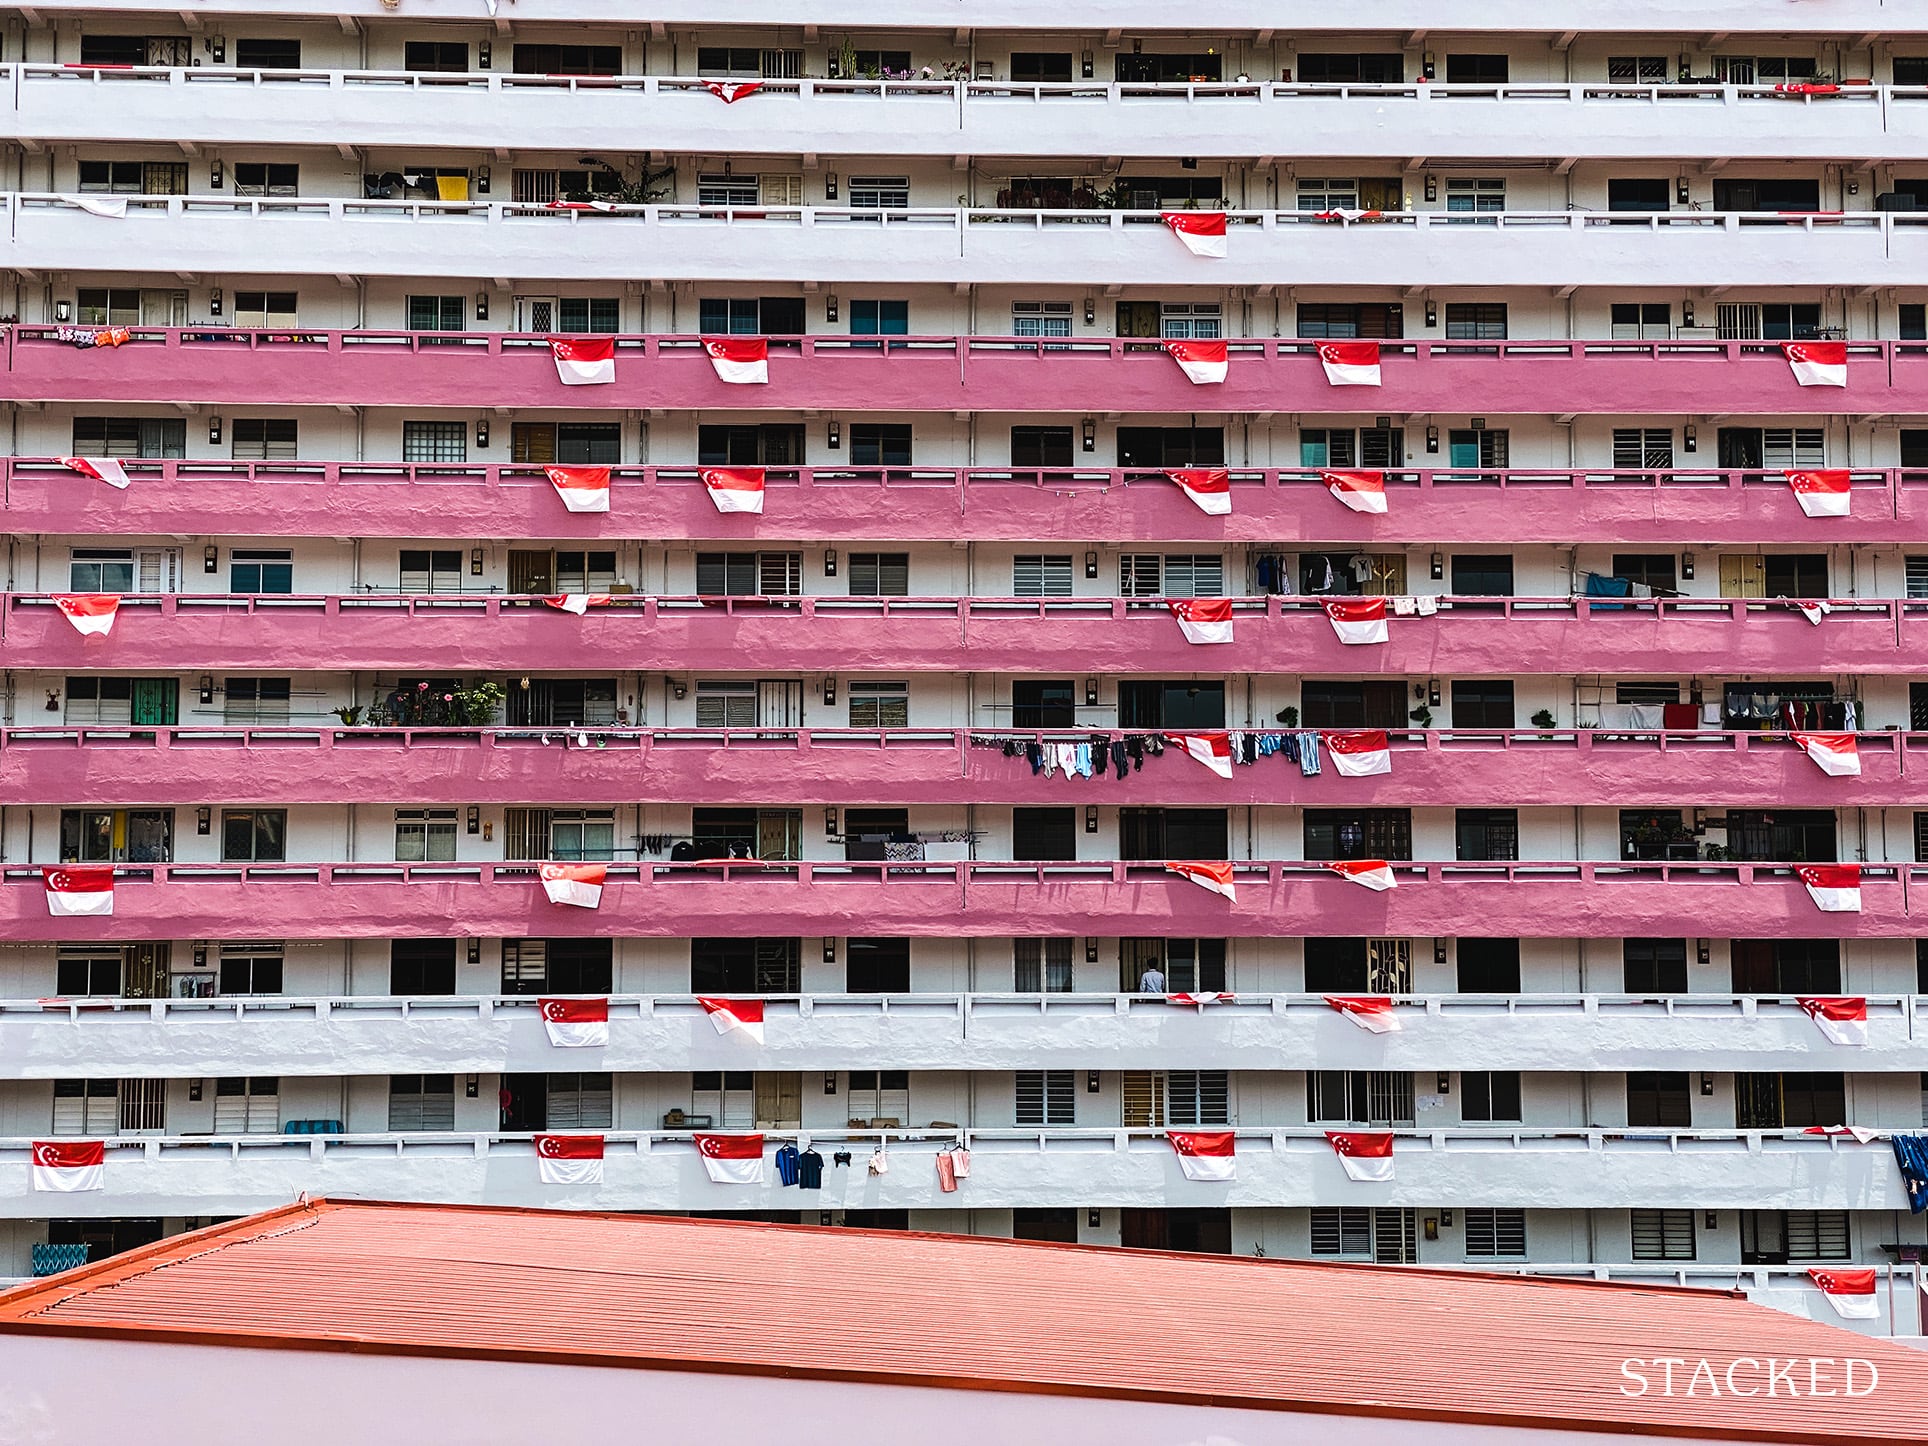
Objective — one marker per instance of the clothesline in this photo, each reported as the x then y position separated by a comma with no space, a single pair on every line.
1100,753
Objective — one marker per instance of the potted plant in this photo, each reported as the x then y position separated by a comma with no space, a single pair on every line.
1422,715
1543,718
349,716
1289,716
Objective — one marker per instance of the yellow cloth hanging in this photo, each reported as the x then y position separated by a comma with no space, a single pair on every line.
452,188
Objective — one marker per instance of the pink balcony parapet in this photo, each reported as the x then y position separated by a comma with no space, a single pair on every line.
653,900
945,373
1691,507
1291,635
1469,767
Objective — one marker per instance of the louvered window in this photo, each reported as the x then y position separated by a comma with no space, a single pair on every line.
1495,1233
1917,576
1198,1097
879,1095
1817,1234
1039,966
749,574
86,1106
1046,1097
779,1099
421,1102
580,1102
1041,575
1359,1097
727,1097
1389,1237
247,1106
1636,447
1663,1235
725,704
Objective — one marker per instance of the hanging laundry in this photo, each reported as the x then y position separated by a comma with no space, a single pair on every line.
810,1170
1309,754
1426,606
786,1164
1911,1154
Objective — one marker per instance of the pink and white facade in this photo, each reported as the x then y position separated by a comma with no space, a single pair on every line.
292,275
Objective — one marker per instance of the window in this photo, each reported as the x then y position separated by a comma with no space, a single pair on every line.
94,699
1041,575
749,63
1339,320
119,50
1477,199
100,569
726,704
1047,1097
1663,1235
1654,966
1344,704
251,968
1346,193
1038,966
253,835
1041,447
86,1107
1911,70
1482,574
879,705
130,436
1772,321
256,700
265,178
1786,966
1171,447
726,1098
879,574
557,966
771,444
539,187
1638,69
1486,835
1047,66
1476,70
1173,833
567,834
745,966
1044,835
1189,965
136,178
1358,833
1638,447
1783,836
1911,319
749,574
1180,1097
247,1106
1359,1097
116,835
261,570
1057,1224
1487,448
1491,1233
747,833
1040,318
102,306
1774,1237
267,54
750,316
263,309
431,569
879,318
880,444
1343,447
1658,1098
1387,1237
1475,321
424,834
879,193
877,1095
1038,703
580,1101
1145,68
435,442
877,966
1639,320
1489,966
421,966
1149,574
1199,321
1482,702
435,55
596,444
421,1102
1353,966
82,972
1789,1101
568,59
1490,1096
1349,68
1645,195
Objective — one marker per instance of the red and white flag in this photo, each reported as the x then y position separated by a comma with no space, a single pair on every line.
1203,362
1205,1154
732,91
582,489
732,1159
1836,754
577,884
1216,877
1850,1292
576,1023
1359,754
1835,888
1822,492
91,613
1817,363
101,469
1210,488
1214,750
1203,619
1361,491
79,889
1202,232
1372,1013
735,489
578,603
740,360
1840,1020
1359,620
1813,609
1199,1001
584,361
1363,1154
569,1159
1861,1134
741,1016
69,1165
1374,874
1350,363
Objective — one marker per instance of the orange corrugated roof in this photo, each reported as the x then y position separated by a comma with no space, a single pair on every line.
967,1312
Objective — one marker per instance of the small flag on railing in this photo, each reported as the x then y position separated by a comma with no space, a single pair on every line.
79,890
1372,1013
1215,877
576,1023
584,361
732,1159
739,360
101,469
1813,609
1850,1292
1359,620
1840,1020
1835,888
1203,619
1203,362
569,1159
1199,1001
577,884
730,92
735,489
1360,753
1836,754
1202,232
1363,1154
65,1166
1817,363
91,613
741,1016
1361,491
1208,1155
1210,488
1822,492
1350,363
1374,874
578,603
582,489
1860,1134
1214,750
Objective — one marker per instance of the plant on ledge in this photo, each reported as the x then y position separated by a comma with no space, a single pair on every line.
1543,718
424,706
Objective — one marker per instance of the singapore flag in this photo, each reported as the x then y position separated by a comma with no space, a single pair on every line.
1840,1020
102,469
1363,1154
1214,750
576,1023
1374,874
1360,753
1359,620
1350,363
1374,1014
1205,1154
1210,488
1361,491
732,1159
91,613
1823,491
1836,754
584,361
1203,620
582,489
79,889
577,884
739,1016
735,489
569,1159
1202,232
1850,1292
1205,363
69,1165
1817,363
1835,888
741,360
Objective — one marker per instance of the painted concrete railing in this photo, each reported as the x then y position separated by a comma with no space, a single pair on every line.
561,765
1558,1168
476,369
949,245
983,899
1692,508
1498,636
369,1035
